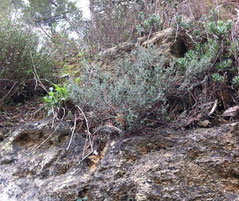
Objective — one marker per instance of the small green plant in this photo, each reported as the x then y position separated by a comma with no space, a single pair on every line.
194,65
224,65
56,97
191,54
235,81
233,48
182,63
211,48
220,28
217,78
152,23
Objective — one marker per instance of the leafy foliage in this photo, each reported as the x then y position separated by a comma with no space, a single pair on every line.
20,60
217,78
220,28
235,81
147,26
210,49
56,98
128,94
224,65
208,69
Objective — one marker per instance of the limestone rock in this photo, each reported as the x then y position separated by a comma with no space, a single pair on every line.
165,165
42,174
117,51
166,41
195,165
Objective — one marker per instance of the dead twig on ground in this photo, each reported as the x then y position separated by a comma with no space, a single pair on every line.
8,92
36,77
85,157
55,114
36,112
213,108
72,133
89,135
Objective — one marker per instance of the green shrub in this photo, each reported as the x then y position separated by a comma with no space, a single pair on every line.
224,65
151,24
235,81
210,52
209,69
130,91
219,28
217,78
20,58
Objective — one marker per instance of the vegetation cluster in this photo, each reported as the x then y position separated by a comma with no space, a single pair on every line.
22,63
141,89
148,89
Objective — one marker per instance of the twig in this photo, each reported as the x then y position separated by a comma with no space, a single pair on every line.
213,108
64,113
48,136
190,37
54,116
37,78
150,32
89,138
34,114
9,91
88,129
84,148
85,157
176,35
72,133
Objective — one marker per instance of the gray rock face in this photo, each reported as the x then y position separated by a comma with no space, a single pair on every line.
42,174
165,40
195,165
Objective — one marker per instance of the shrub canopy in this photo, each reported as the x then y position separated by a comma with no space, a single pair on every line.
21,59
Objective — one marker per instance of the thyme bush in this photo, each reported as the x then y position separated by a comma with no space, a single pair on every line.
130,93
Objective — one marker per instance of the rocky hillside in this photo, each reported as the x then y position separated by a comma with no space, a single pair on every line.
153,116
157,165
38,164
